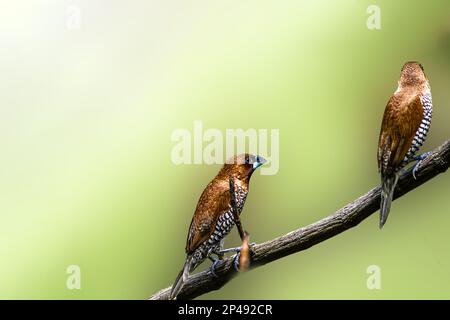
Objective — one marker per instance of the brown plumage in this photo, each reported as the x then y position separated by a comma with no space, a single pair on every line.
406,122
213,217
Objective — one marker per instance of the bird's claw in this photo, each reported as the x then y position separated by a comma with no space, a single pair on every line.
419,160
213,267
236,249
415,169
236,261
236,256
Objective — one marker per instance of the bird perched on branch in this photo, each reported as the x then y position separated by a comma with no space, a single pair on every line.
215,214
406,122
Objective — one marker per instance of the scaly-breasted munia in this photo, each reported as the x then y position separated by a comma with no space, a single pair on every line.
213,217
406,122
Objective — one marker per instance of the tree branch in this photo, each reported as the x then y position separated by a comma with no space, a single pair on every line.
303,238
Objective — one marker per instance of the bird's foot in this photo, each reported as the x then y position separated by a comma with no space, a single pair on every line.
419,159
236,249
213,268
242,258
237,256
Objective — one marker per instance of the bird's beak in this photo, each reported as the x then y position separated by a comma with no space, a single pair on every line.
259,162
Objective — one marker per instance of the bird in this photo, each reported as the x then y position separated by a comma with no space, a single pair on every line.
213,218
405,125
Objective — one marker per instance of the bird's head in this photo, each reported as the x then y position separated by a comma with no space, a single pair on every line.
412,74
242,166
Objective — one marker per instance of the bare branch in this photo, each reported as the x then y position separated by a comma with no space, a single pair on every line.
347,217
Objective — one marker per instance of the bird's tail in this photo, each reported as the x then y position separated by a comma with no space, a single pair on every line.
387,192
181,278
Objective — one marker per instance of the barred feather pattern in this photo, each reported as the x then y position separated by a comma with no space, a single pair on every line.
224,224
422,131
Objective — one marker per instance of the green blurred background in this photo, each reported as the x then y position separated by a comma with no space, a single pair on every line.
87,113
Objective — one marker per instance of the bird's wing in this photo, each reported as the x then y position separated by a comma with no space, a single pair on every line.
214,201
401,120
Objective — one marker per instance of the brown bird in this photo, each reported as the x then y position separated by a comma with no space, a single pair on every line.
406,122
213,218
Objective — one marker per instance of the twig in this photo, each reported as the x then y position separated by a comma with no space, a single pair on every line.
301,239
